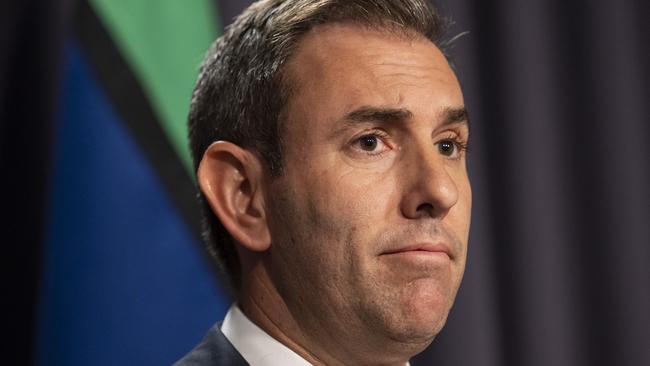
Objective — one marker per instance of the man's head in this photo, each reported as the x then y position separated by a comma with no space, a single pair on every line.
340,180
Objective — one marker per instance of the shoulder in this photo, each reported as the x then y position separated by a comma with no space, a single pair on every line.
214,349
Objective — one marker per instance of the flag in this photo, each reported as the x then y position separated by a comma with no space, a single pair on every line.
124,279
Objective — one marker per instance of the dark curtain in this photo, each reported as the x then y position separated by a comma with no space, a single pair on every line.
31,36
559,267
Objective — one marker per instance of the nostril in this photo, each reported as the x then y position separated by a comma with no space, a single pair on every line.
425,209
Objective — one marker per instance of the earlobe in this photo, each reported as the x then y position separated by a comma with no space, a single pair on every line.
232,181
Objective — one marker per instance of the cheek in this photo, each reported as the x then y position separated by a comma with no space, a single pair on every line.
465,205
461,211
338,215
459,219
359,194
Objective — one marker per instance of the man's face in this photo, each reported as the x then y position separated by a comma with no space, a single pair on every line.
370,218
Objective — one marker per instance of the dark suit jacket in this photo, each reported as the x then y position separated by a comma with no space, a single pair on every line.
214,350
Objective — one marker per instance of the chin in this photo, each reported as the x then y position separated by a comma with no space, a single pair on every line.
424,328
419,328
421,314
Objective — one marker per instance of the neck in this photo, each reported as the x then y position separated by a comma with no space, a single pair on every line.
261,302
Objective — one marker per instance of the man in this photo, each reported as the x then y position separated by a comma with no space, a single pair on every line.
329,139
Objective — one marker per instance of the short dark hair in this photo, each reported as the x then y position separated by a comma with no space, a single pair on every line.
241,90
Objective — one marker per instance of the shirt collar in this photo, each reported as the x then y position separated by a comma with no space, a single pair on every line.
256,346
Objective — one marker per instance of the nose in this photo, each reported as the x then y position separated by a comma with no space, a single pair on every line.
430,191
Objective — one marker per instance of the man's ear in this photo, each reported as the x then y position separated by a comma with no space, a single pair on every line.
232,181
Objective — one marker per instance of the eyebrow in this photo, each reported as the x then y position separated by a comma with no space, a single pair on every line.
378,114
455,115
449,115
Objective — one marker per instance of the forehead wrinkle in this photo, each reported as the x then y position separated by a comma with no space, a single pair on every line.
397,75
408,64
413,57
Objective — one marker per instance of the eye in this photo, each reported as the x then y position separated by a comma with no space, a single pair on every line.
447,147
452,147
371,143
368,142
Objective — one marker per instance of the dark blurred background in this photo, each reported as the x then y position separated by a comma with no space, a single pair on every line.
103,260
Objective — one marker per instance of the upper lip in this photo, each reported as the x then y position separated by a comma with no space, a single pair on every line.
439,247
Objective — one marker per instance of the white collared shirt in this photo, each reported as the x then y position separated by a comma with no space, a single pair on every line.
256,346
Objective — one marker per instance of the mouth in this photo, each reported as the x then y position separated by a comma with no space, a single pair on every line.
425,249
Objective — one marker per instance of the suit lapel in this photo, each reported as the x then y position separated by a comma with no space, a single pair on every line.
215,349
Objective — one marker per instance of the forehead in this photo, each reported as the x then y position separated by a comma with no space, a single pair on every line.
339,67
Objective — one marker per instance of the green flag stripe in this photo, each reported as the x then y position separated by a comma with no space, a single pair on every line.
164,42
